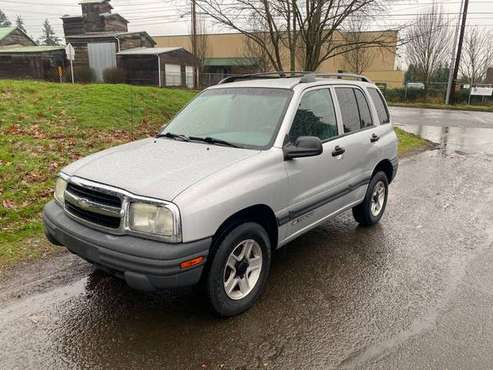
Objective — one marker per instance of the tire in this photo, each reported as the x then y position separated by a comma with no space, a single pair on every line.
363,213
231,251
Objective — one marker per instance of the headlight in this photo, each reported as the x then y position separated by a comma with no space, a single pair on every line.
153,219
60,187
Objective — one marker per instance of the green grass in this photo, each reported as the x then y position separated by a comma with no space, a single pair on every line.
44,126
410,143
466,107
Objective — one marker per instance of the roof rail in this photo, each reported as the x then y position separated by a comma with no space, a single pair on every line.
266,75
344,75
306,76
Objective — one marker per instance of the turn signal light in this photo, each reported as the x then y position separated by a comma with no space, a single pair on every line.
191,263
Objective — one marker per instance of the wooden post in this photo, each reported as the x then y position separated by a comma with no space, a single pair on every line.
459,52
194,43
159,70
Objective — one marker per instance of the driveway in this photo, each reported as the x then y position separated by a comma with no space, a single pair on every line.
412,292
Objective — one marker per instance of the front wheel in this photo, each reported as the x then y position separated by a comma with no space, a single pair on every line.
371,210
239,270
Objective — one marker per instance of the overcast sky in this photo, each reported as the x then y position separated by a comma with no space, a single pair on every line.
165,17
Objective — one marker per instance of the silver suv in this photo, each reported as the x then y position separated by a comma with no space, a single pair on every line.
249,165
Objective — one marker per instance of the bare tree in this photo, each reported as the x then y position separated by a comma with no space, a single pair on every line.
320,23
428,43
233,14
253,50
202,40
477,55
311,26
359,58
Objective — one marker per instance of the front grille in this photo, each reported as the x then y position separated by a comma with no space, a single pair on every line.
94,195
93,205
95,218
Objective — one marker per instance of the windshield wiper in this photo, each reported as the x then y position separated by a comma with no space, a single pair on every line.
212,140
174,136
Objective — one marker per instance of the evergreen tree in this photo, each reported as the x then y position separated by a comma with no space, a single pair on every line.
19,22
4,21
49,36
412,74
441,74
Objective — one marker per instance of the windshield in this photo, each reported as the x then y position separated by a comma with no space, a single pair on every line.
246,117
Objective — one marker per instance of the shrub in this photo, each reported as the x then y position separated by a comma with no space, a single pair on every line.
52,75
114,76
462,96
82,74
400,95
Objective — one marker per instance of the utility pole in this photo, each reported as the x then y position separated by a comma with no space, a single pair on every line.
454,54
459,51
194,43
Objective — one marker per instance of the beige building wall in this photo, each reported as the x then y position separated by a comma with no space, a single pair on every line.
233,45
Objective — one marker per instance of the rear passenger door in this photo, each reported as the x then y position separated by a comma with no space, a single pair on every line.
387,141
358,128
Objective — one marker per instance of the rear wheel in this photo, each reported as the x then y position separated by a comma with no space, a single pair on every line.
371,210
239,270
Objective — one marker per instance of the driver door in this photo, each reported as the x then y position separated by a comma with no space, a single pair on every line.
316,184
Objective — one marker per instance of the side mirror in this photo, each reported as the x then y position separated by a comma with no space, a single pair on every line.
305,146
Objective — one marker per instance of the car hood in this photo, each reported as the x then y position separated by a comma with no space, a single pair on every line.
160,168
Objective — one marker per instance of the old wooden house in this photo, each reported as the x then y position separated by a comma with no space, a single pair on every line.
101,41
158,66
98,35
11,37
20,57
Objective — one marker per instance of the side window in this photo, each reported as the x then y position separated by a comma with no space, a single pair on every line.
315,116
349,109
364,109
380,105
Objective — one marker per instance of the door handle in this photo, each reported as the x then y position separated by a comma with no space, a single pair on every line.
374,138
338,151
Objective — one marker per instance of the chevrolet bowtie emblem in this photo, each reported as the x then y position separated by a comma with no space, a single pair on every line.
84,203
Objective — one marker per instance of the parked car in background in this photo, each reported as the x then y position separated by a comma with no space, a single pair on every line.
249,165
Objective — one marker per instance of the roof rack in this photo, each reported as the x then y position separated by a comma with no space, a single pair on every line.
350,76
306,77
263,75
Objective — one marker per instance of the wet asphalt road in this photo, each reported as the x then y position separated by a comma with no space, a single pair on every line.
413,292
440,117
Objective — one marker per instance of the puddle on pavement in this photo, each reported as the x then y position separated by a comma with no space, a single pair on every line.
455,139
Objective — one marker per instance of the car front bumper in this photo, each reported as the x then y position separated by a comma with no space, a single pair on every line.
144,264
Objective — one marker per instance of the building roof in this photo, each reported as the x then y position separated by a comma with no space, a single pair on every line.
5,31
66,16
30,49
112,15
221,62
93,35
148,51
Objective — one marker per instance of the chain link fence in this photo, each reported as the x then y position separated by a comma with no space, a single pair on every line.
433,93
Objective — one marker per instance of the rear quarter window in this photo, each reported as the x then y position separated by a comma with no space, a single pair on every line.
380,105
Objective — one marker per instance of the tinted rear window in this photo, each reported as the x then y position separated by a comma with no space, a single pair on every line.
349,109
377,98
364,110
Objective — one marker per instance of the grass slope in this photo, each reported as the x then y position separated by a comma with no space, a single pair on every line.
44,126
